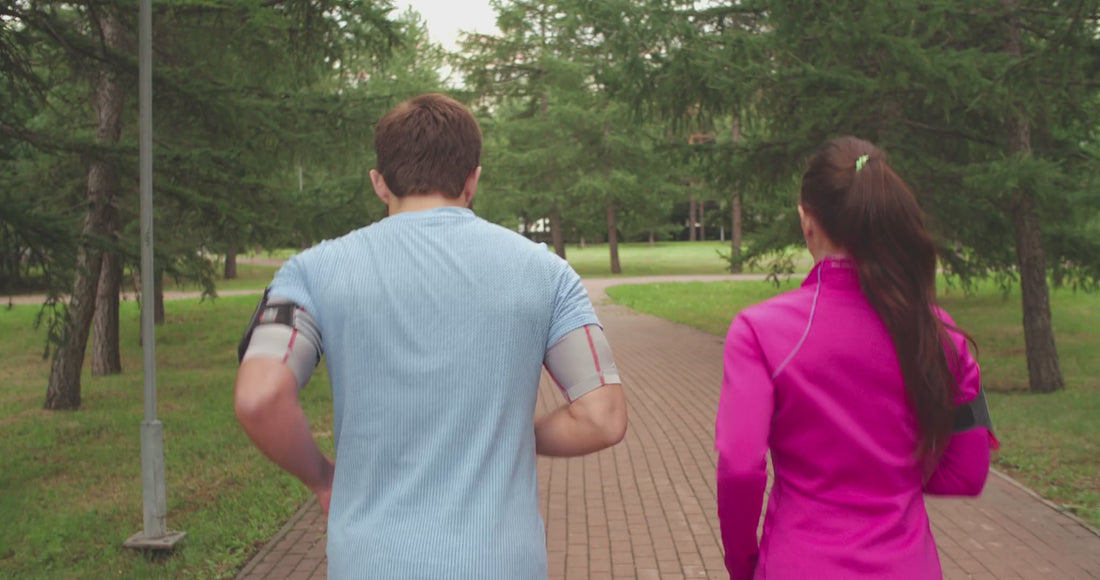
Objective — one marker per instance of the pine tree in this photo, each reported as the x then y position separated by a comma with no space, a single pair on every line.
563,148
227,115
987,107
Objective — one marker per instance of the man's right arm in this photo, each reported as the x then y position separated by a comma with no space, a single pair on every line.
595,418
593,422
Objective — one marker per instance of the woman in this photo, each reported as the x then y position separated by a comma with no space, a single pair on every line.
865,392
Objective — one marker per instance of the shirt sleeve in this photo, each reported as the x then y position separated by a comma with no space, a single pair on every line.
742,429
572,307
292,283
964,465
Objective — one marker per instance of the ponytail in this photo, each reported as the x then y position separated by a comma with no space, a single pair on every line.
866,208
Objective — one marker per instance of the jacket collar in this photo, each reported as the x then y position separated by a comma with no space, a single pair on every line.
833,272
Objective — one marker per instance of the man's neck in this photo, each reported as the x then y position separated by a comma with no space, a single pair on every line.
424,202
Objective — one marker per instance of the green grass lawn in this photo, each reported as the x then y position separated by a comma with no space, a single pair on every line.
662,259
594,260
71,481
636,259
1049,442
249,277
278,254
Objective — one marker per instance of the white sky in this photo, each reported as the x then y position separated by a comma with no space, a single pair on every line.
446,18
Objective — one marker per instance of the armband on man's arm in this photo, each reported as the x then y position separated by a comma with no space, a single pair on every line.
581,361
282,330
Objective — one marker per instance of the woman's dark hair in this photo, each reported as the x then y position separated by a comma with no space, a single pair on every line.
872,214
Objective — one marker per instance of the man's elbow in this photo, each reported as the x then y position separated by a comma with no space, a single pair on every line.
606,413
262,386
615,428
254,401
248,406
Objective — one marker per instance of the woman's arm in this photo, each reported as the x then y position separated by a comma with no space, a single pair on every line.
741,439
964,465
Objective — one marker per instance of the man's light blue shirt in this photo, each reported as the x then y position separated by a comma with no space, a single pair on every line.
434,327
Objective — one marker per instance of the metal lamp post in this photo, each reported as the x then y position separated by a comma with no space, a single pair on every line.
154,536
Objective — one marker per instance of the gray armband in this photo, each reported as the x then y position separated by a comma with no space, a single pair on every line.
973,414
280,329
581,362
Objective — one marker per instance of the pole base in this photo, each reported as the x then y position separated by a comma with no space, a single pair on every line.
168,541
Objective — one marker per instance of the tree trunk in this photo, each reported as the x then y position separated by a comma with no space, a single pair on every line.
735,210
691,219
158,297
652,239
702,221
1043,369
63,390
613,239
1044,372
106,359
524,226
735,233
231,262
556,235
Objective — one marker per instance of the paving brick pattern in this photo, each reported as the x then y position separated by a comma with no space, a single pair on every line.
645,509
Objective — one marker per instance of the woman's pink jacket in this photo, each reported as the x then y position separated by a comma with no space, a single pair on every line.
812,376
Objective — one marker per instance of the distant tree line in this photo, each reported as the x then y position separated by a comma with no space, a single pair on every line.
604,121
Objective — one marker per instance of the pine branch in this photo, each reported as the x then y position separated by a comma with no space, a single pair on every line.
47,143
949,131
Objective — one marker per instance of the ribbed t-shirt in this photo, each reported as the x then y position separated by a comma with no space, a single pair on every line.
434,327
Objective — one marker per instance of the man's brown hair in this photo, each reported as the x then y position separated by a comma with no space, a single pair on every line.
428,144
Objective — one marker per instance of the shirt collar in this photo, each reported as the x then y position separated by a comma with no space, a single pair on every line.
435,212
834,272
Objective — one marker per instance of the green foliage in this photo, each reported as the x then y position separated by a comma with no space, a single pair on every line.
930,82
556,139
262,136
262,119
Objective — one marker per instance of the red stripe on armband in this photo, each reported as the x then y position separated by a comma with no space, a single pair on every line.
595,357
290,347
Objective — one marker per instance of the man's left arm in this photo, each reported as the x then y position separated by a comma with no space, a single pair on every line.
595,417
278,354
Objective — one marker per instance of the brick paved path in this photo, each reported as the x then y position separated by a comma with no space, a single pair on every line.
645,509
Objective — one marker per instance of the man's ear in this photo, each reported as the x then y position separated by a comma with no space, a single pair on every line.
807,223
380,188
469,189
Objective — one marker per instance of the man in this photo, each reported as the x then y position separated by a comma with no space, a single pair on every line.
435,326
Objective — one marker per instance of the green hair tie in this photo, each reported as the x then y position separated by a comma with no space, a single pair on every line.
861,162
